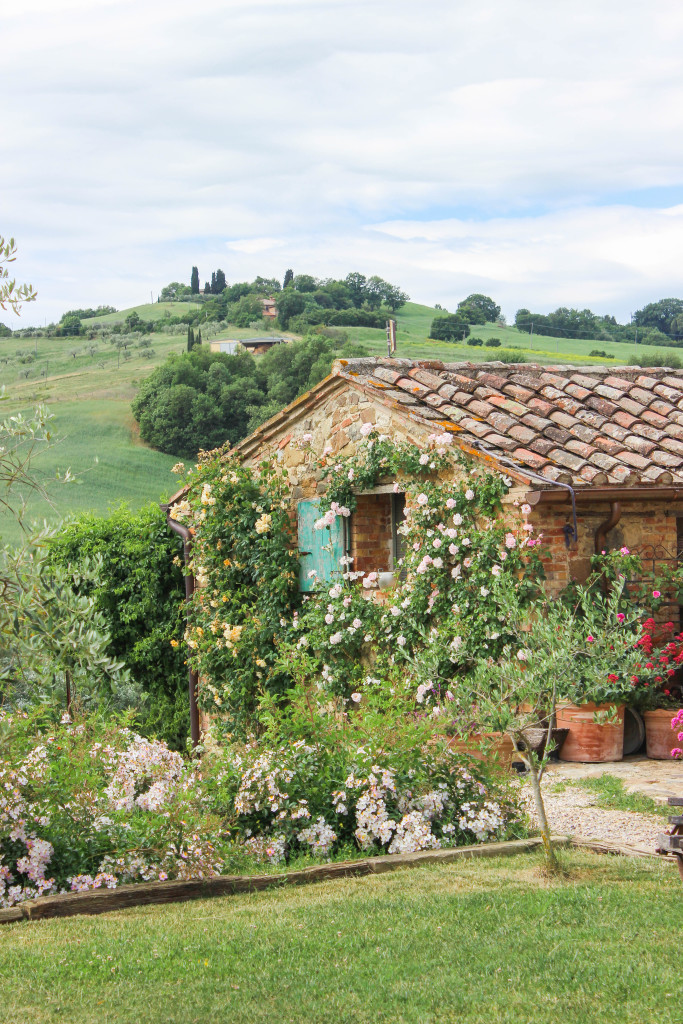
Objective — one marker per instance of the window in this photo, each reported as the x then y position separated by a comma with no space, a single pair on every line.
319,549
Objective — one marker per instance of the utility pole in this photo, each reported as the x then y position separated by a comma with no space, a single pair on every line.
531,336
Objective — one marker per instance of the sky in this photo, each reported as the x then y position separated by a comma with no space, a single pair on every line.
529,150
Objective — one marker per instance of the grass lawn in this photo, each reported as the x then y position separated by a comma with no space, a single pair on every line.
480,942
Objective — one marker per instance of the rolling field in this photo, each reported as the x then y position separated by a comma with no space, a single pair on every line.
88,384
414,322
147,311
98,443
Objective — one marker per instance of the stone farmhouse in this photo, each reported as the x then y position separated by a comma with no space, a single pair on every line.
596,453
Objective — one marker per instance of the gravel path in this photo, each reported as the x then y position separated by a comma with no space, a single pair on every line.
572,812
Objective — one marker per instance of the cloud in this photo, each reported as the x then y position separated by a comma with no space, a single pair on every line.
446,147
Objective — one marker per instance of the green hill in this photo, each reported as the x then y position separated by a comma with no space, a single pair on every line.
88,384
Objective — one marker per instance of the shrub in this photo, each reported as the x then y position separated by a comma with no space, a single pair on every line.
475,341
451,327
656,359
493,343
90,803
598,353
140,594
507,356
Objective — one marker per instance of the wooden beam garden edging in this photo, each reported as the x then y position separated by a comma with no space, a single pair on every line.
99,901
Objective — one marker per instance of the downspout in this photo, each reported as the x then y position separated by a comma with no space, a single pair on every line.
186,536
601,537
604,528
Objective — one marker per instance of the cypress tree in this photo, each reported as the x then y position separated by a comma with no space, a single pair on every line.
190,339
220,281
289,277
198,336
213,283
194,281
207,288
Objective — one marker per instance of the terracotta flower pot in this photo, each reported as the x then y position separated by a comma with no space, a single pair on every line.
587,741
501,744
660,738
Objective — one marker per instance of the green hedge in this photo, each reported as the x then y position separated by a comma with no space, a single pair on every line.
141,595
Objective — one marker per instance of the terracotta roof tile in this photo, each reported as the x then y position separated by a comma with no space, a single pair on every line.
639,444
558,434
672,394
589,425
620,383
607,444
642,395
517,392
576,391
624,419
501,421
646,382
475,426
592,475
602,405
583,432
594,419
522,433
631,406
654,418
562,419
529,458
615,430
663,408
577,447
585,382
430,380
411,385
536,422
541,407
567,459
634,459
542,446
613,394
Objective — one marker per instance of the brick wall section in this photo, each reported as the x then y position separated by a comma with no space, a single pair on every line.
371,539
650,532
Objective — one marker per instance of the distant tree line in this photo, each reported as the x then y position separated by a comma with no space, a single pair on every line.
658,323
302,300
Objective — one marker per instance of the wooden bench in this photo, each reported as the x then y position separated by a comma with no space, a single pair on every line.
673,843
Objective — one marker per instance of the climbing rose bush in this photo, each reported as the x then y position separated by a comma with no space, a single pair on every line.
248,613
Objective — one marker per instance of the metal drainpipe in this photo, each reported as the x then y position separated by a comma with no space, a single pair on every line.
604,528
601,536
186,536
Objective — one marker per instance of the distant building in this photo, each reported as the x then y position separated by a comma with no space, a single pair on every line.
257,346
269,309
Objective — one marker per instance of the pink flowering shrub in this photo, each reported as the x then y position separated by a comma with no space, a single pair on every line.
90,803
304,798
677,723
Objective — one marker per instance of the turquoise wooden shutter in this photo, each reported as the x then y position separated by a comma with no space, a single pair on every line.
318,549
